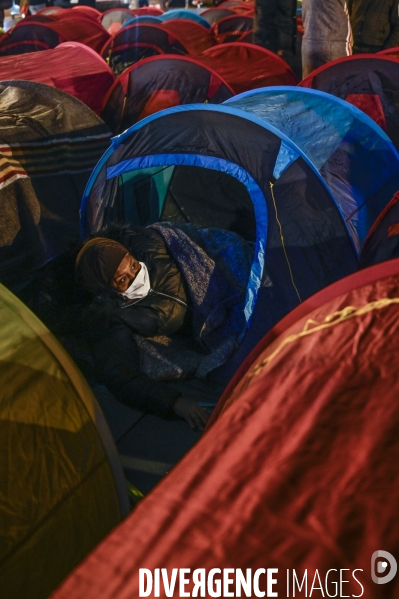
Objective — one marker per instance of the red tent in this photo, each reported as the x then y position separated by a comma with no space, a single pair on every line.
135,42
147,10
299,474
303,311
194,36
157,83
71,67
49,11
382,241
243,10
212,15
69,25
231,28
29,37
389,52
240,8
246,37
369,81
113,19
88,11
78,27
246,66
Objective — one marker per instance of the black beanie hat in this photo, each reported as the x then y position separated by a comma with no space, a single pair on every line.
97,263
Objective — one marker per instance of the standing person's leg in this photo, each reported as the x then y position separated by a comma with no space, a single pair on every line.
286,26
91,3
275,27
1,18
265,28
327,36
314,55
311,47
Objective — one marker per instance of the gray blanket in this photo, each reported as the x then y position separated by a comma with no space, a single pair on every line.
215,265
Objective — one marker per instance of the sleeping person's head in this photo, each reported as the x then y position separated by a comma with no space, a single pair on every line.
105,265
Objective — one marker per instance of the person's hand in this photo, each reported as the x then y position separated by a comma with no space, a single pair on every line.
191,412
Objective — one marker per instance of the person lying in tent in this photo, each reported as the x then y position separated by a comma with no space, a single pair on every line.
166,310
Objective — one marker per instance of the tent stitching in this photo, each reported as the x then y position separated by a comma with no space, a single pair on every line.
330,321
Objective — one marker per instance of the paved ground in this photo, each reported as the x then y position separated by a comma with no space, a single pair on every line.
148,446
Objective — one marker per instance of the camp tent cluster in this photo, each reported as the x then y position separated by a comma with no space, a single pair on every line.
83,45
293,472
209,129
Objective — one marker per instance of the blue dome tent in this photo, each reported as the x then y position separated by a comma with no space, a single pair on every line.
357,160
149,19
181,13
220,166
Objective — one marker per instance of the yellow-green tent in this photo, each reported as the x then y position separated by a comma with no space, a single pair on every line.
61,484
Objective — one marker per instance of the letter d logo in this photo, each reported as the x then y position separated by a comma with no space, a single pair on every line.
382,566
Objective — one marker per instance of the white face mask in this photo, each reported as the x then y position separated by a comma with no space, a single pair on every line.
140,286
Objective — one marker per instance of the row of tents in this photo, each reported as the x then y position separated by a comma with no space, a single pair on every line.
76,69
367,81
62,485
81,130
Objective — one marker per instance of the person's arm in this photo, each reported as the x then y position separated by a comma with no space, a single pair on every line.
117,358
393,39
155,314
